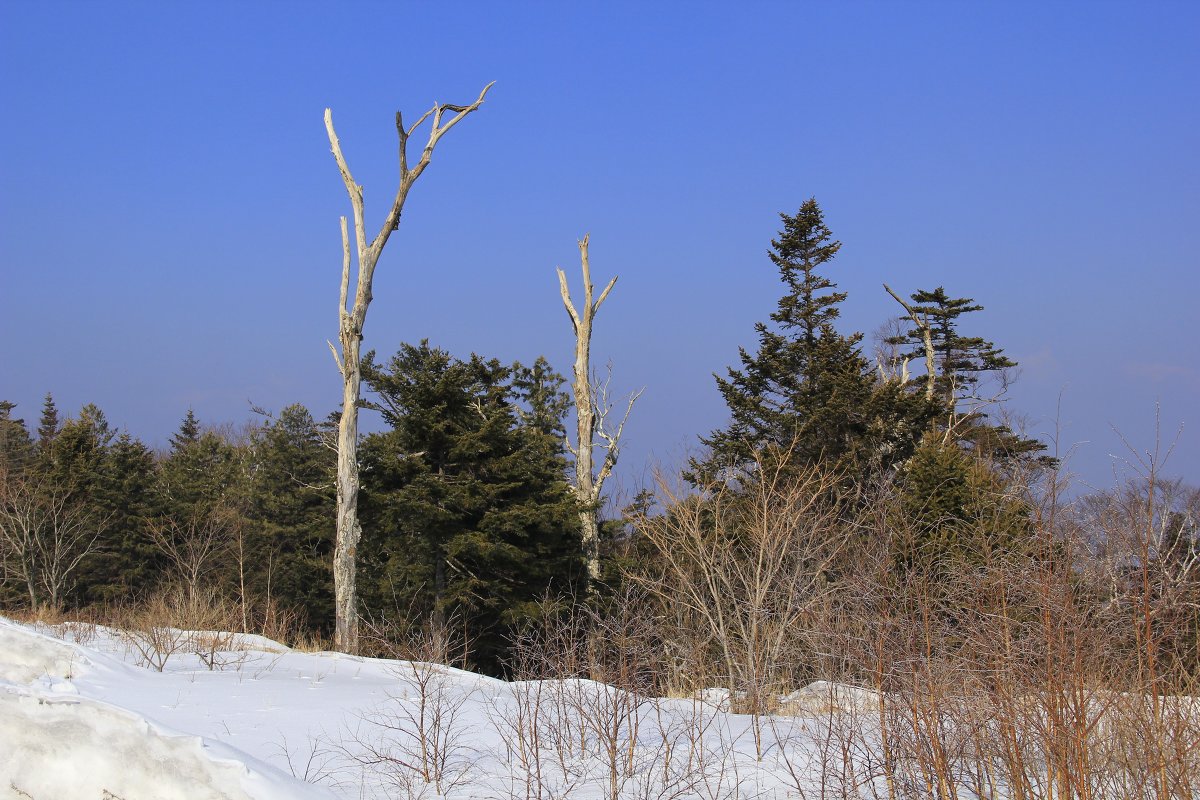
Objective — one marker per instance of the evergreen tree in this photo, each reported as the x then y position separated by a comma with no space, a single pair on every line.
201,469
79,452
124,498
541,402
955,511
48,426
76,465
16,453
188,433
16,446
202,487
289,544
467,507
961,362
807,394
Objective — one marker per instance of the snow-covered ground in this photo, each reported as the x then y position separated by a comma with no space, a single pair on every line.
84,715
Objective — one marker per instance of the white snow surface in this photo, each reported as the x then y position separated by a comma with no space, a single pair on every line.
82,715
77,722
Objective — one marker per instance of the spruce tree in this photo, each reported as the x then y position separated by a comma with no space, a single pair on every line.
468,506
76,466
200,470
124,498
288,548
16,446
79,452
48,426
955,512
961,363
188,433
804,393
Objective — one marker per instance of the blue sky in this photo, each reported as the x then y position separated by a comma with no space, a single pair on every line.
168,203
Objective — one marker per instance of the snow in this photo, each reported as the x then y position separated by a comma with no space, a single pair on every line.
76,723
83,714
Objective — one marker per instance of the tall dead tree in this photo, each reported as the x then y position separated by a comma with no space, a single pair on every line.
591,409
350,334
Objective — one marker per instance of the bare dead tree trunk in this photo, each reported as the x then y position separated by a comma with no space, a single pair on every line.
922,323
350,332
591,408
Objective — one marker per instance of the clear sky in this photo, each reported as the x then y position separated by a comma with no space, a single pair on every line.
169,205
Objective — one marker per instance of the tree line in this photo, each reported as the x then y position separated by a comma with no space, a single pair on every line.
470,515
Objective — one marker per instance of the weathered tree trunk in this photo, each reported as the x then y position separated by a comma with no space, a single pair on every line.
350,333
922,323
590,411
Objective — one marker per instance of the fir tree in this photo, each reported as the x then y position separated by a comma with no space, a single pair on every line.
289,544
80,449
960,361
200,471
466,505
48,426
16,446
124,498
960,364
188,433
955,511
805,391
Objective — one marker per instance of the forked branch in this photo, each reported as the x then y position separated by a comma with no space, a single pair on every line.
922,323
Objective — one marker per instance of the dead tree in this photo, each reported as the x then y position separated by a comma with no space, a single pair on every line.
923,325
591,408
350,334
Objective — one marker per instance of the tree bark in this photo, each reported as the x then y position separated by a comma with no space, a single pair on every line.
922,323
350,334
590,412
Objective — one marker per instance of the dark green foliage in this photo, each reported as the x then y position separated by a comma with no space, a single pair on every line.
955,511
465,505
202,492
808,394
123,497
961,363
16,446
960,360
78,455
188,433
202,469
798,392
290,528
48,426
113,477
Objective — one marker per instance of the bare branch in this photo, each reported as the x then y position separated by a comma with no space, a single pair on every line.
604,294
409,176
922,323
352,189
566,298
336,358
440,130
612,441
345,270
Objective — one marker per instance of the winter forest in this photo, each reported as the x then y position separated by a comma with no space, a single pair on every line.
874,578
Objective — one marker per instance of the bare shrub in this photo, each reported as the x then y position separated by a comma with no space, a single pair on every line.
46,532
283,624
176,620
749,567
418,742
194,542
